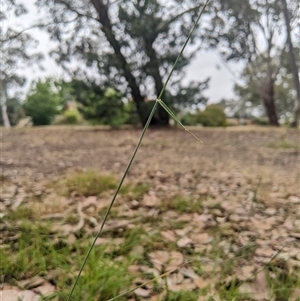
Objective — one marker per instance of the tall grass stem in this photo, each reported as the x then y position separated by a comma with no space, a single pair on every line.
135,151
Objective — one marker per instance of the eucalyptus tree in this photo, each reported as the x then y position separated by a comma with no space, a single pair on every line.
16,52
130,44
291,14
251,32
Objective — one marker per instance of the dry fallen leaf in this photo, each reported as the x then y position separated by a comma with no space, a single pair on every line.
190,273
201,238
184,242
201,283
89,201
176,259
295,295
159,258
142,292
258,289
244,273
13,295
170,235
265,252
45,289
32,282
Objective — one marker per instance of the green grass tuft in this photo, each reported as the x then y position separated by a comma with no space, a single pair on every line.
36,250
86,183
181,296
283,144
183,204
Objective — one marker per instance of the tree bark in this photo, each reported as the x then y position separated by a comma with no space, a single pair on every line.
293,63
102,11
269,101
162,117
5,118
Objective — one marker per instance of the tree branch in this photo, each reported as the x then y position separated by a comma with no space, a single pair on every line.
69,7
163,26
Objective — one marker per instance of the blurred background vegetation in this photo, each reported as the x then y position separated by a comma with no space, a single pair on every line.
117,55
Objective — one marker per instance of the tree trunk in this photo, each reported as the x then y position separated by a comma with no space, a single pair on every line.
293,63
102,11
269,101
162,117
5,118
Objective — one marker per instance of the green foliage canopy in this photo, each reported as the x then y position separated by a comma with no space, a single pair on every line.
97,104
42,103
213,116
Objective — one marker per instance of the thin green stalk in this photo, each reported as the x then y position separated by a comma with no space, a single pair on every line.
113,199
134,153
176,118
182,49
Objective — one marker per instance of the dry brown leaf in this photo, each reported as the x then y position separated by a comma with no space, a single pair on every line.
176,259
265,252
137,251
261,225
154,272
169,234
175,278
258,289
159,258
190,273
201,238
248,271
175,287
201,283
45,290
13,295
89,201
142,292
189,286
295,295
32,282
101,241
184,218
184,231
71,239
184,242
158,297
150,200
134,269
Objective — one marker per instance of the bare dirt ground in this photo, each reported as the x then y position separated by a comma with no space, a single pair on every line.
49,152
247,179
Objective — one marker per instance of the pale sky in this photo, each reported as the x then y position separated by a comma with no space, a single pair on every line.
206,64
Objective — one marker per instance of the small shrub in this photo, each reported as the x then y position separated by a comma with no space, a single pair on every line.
283,144
213,116
189,119
72,117
99,106
131,111
42,103
261,121
183,204
87,183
